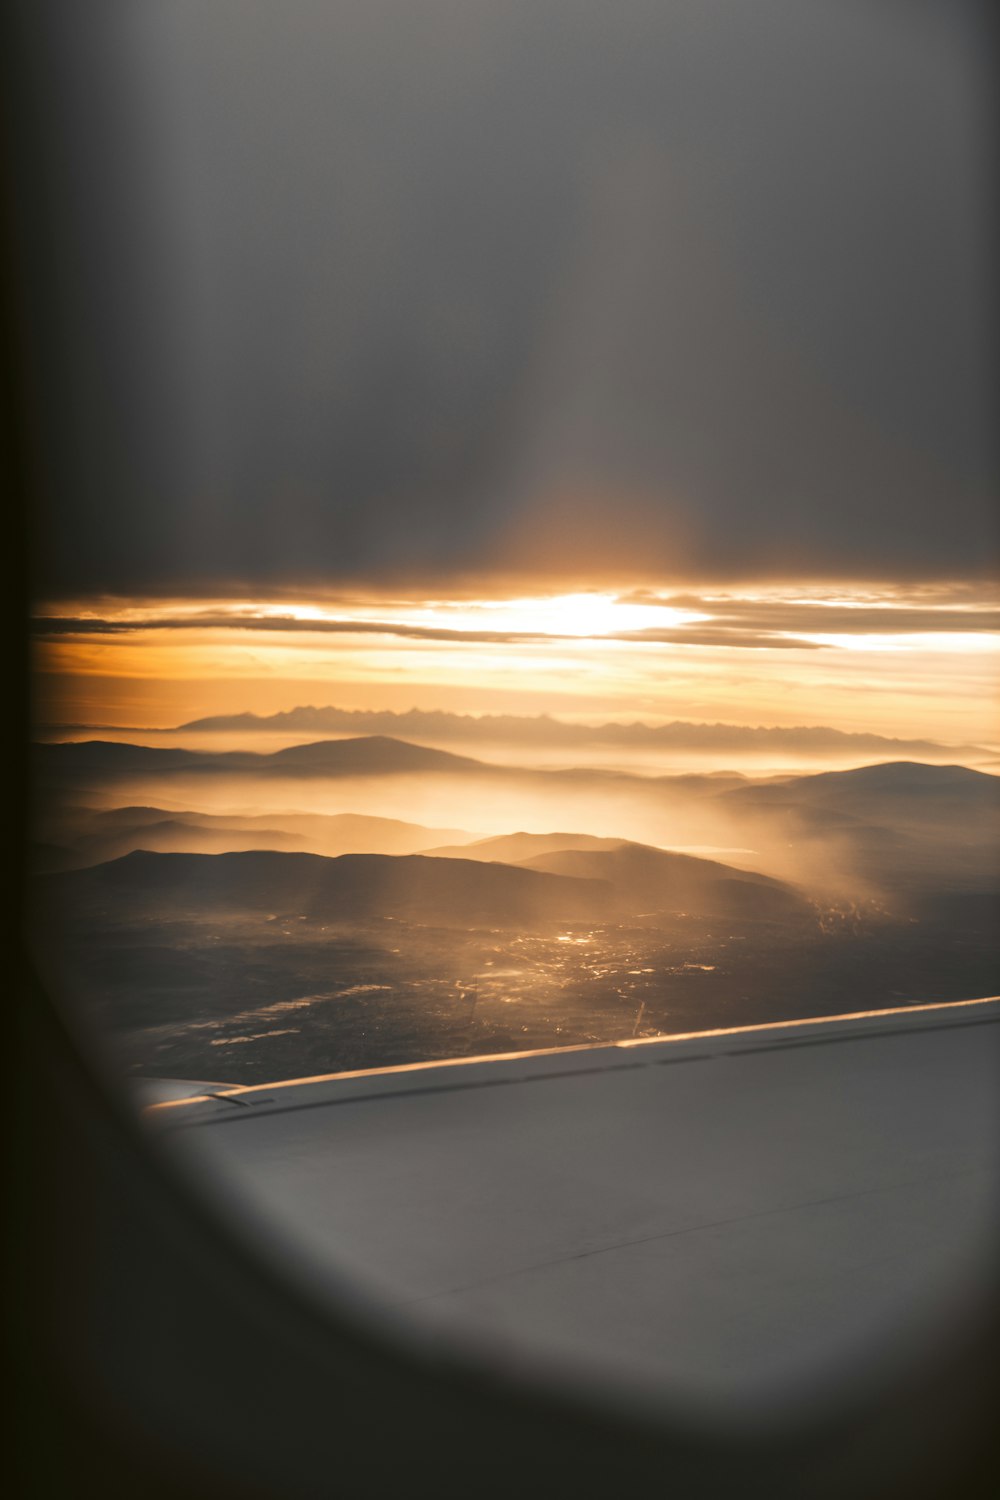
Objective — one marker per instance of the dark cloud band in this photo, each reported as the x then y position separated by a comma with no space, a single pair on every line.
685,291
746,624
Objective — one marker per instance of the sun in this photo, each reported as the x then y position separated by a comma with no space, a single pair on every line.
584,615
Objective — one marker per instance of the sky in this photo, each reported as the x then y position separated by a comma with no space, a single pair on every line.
919,666
383,308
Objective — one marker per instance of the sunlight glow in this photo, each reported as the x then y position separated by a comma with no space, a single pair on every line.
781,656
960,643
589,614
584,615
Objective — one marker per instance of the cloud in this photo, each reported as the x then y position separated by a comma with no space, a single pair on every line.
396,291
753,623
796,617
279,624
272,624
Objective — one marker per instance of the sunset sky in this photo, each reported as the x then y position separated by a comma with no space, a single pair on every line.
917,664
610,362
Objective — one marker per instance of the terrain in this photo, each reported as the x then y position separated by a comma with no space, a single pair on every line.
89,836
262,939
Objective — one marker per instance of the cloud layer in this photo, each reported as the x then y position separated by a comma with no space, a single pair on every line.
415,289
713,620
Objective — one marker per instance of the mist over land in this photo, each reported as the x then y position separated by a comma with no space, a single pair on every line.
348,903
546,730
545,738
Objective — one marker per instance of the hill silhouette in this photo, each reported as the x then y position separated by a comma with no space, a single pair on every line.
514,848
96,836
891,789
370,755
67,763
647,880
350,887
543,729
897,828
181,835
375,754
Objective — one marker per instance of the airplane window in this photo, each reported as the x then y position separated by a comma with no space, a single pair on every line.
516,774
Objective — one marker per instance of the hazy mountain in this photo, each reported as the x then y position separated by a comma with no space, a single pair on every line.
373,830
114,758
885,829
514,848
332,833
543,730
359,833
905,796
71,763
351,887
180,835
864,791
372,755
647,880
598,883
99,835
129,818
899,827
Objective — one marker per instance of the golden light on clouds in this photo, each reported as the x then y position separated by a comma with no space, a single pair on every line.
917,643
925,663
590,613
587,615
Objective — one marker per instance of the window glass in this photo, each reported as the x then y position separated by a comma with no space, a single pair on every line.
515,556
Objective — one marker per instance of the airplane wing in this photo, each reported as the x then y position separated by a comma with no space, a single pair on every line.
733,1217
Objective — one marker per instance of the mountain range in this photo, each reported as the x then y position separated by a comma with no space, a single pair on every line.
896,827
542,729
513,848
644,879
647,881
373,755
571,886
348,888
874,791
88,836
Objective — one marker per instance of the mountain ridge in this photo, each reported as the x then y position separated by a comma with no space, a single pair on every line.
546,729
383,755
645,878
587,886
347,887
